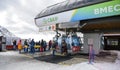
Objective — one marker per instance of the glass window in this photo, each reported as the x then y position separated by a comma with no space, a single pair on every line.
79,3
113,42
49,11
63,5
75,41
71,4
56,8
42,13
89,0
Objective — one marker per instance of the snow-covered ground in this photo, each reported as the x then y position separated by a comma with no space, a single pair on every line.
34,65
95,66
41,65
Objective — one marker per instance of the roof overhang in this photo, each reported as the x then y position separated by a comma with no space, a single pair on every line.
101,10
106,25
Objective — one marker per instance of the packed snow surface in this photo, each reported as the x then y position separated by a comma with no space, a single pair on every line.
41,65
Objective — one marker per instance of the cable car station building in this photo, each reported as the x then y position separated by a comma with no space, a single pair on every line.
98,20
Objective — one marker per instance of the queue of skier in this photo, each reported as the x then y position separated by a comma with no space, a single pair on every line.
29,45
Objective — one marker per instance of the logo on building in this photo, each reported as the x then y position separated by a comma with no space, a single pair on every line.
49,20
107,9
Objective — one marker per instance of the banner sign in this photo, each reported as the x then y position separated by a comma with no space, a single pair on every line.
47,28
96,11
105,9
53,19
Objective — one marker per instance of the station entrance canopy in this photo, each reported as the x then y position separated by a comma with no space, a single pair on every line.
93,9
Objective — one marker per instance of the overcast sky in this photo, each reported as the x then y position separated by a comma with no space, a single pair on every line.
18,15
